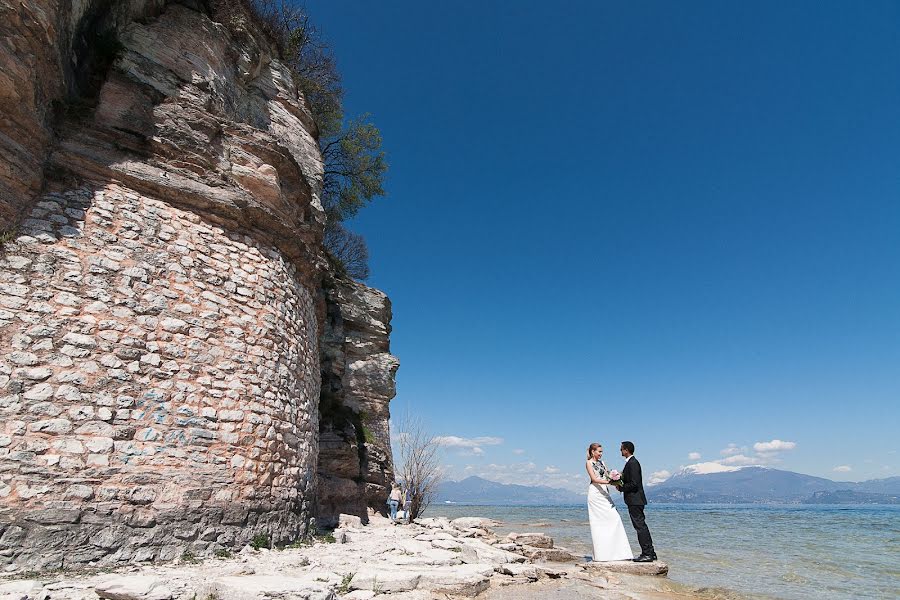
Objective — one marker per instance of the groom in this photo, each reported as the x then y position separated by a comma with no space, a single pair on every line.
633,489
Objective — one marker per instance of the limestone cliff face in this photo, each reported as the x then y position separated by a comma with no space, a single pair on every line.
355,462
160,300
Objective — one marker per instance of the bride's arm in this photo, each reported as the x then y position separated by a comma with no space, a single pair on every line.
592,474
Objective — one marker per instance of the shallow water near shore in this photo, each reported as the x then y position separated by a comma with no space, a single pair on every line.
791,552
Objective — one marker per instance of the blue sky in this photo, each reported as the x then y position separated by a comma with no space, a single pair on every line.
674,223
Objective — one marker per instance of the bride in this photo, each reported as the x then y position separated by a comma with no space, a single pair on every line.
607,531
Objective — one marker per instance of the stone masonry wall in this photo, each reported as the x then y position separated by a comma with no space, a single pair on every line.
161,384
162,317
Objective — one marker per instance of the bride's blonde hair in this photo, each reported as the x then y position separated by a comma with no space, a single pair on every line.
592,447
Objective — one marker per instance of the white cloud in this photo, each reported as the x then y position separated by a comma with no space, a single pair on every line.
735,457
774,446
732,449
467,446
741,460
518,451
705,468
659,476
551,470
842,469
452,441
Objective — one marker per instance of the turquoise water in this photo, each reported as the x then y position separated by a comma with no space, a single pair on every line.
776,551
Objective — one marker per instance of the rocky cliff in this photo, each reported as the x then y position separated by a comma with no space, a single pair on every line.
355,463
161,300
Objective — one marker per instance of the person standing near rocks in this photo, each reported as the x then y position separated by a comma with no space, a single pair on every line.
394,500
407,503
633,491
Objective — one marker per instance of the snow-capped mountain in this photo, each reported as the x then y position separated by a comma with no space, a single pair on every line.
714,482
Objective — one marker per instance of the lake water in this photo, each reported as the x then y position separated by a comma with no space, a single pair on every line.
760,551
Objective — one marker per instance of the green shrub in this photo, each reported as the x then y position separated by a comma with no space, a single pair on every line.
259,541
345,584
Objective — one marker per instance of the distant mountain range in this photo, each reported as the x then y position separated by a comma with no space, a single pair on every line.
762,484
475,490
737,485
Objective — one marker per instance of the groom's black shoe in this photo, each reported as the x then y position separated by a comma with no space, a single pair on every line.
644,558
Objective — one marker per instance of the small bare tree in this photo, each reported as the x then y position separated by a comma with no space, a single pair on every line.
348,249
418,467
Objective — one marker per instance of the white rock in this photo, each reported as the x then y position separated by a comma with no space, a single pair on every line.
348,521
538,540
27,588
133,587
446,544
519,570
465,580
464,523
384,580
476,551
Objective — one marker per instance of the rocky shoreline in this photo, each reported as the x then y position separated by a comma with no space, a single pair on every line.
433,558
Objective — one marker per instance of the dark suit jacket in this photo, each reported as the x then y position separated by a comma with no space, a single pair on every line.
633,483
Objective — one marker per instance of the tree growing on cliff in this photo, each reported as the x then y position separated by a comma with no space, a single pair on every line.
355,163
417,465
348,250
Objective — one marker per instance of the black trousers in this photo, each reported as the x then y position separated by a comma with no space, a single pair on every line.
643,532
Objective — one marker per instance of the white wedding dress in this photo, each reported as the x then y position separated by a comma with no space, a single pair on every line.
607,531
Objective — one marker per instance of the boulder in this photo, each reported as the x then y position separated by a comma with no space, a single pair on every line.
348,521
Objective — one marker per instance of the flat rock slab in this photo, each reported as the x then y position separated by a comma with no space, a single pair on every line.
134,587
536,540
476,551
557,554
16,590
627,566
446,544
519,570
257,587
384,581
473,523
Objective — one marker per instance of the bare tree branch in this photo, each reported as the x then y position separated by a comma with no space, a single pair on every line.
418,466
